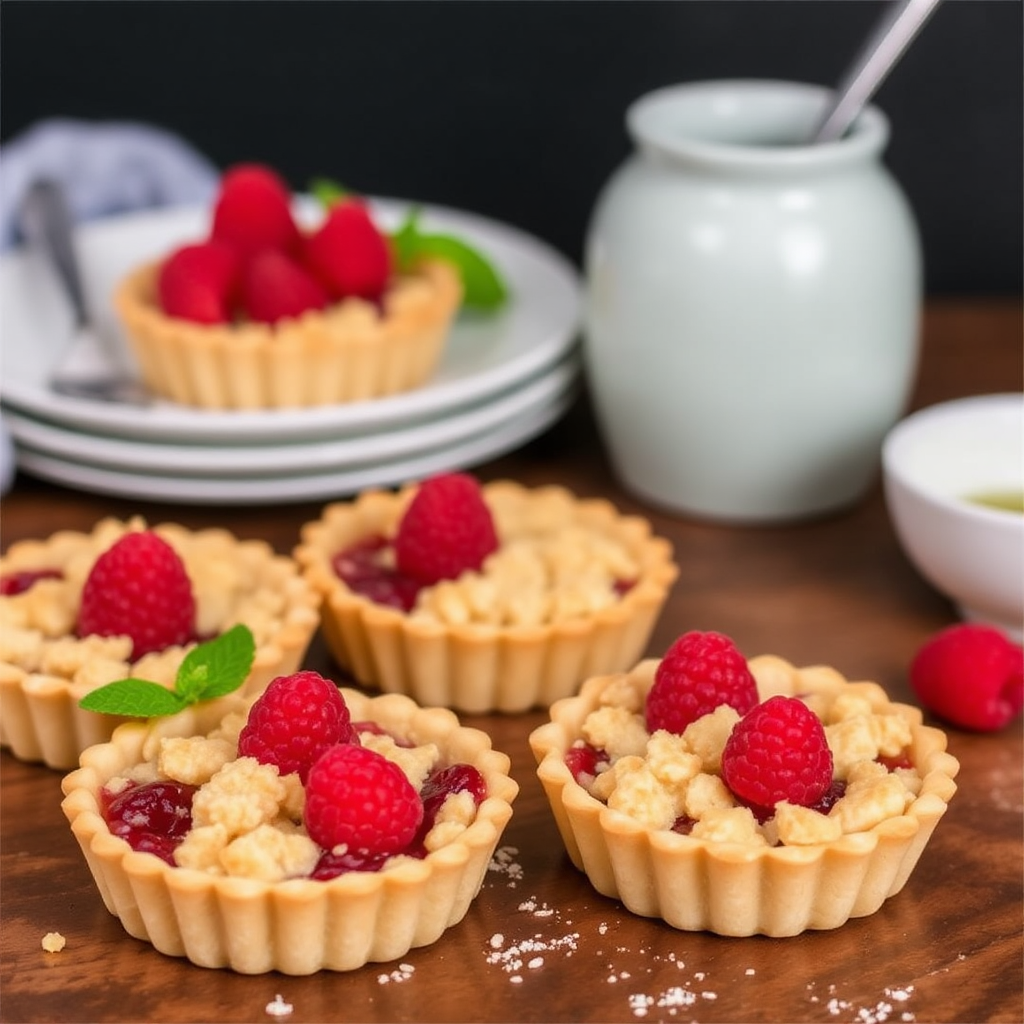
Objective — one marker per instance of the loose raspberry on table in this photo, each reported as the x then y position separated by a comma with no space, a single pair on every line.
971,675
358,799
778,751
139,588
294,721
446,530
699,672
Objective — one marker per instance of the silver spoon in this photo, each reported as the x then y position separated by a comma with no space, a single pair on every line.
86,368
899,24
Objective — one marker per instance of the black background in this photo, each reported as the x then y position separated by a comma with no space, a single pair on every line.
515,109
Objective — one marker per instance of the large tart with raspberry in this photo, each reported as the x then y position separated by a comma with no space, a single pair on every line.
484,598
237,837
78,610
267,313
787,801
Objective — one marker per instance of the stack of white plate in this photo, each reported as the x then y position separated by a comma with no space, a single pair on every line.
504,378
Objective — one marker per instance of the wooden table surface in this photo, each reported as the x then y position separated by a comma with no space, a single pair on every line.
837,590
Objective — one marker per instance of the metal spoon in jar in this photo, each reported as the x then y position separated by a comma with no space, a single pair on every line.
900,23
86,368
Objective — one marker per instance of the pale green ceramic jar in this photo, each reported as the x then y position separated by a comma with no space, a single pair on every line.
752,303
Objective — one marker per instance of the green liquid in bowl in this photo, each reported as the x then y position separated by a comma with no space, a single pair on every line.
1004,501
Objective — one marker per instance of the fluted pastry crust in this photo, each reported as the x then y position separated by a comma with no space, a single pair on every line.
298,926
347,352
45,670
478,667
732,888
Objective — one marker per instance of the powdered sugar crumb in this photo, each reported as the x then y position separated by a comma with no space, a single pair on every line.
277,1007
882,1010
401,973
511,957
504,863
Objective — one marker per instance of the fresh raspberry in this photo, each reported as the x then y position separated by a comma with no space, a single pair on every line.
358,799
12,583
349,254
294,721
446,530
699,672
275,286
253,211
139,588
199,282
971,675
778,751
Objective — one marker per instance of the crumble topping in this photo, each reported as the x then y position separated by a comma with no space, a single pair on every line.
659,778
551,565
247,817
233,581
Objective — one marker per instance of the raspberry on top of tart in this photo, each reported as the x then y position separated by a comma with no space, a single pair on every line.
269,312
78,610
665,778
374,818
484,597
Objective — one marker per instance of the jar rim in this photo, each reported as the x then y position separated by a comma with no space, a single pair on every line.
761,124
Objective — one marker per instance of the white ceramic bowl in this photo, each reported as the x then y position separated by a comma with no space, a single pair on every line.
935,463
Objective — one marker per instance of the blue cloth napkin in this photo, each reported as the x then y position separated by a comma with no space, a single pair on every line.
105,168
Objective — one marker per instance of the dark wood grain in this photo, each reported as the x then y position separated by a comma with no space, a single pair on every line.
835,590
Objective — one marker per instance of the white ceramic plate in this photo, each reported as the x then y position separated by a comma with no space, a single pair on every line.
485,353
301,456
270,490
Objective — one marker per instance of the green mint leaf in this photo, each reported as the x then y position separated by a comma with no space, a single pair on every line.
137,698
482,284
327,192
209,670
218,666
405,241
483,287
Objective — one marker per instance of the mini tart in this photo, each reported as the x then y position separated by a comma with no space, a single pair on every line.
298,926
347,352
477,667
733,888
45,669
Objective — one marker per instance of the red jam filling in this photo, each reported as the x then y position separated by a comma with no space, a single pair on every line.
901,760
156,817
684,824
367,568
13,583
585,762
152,818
